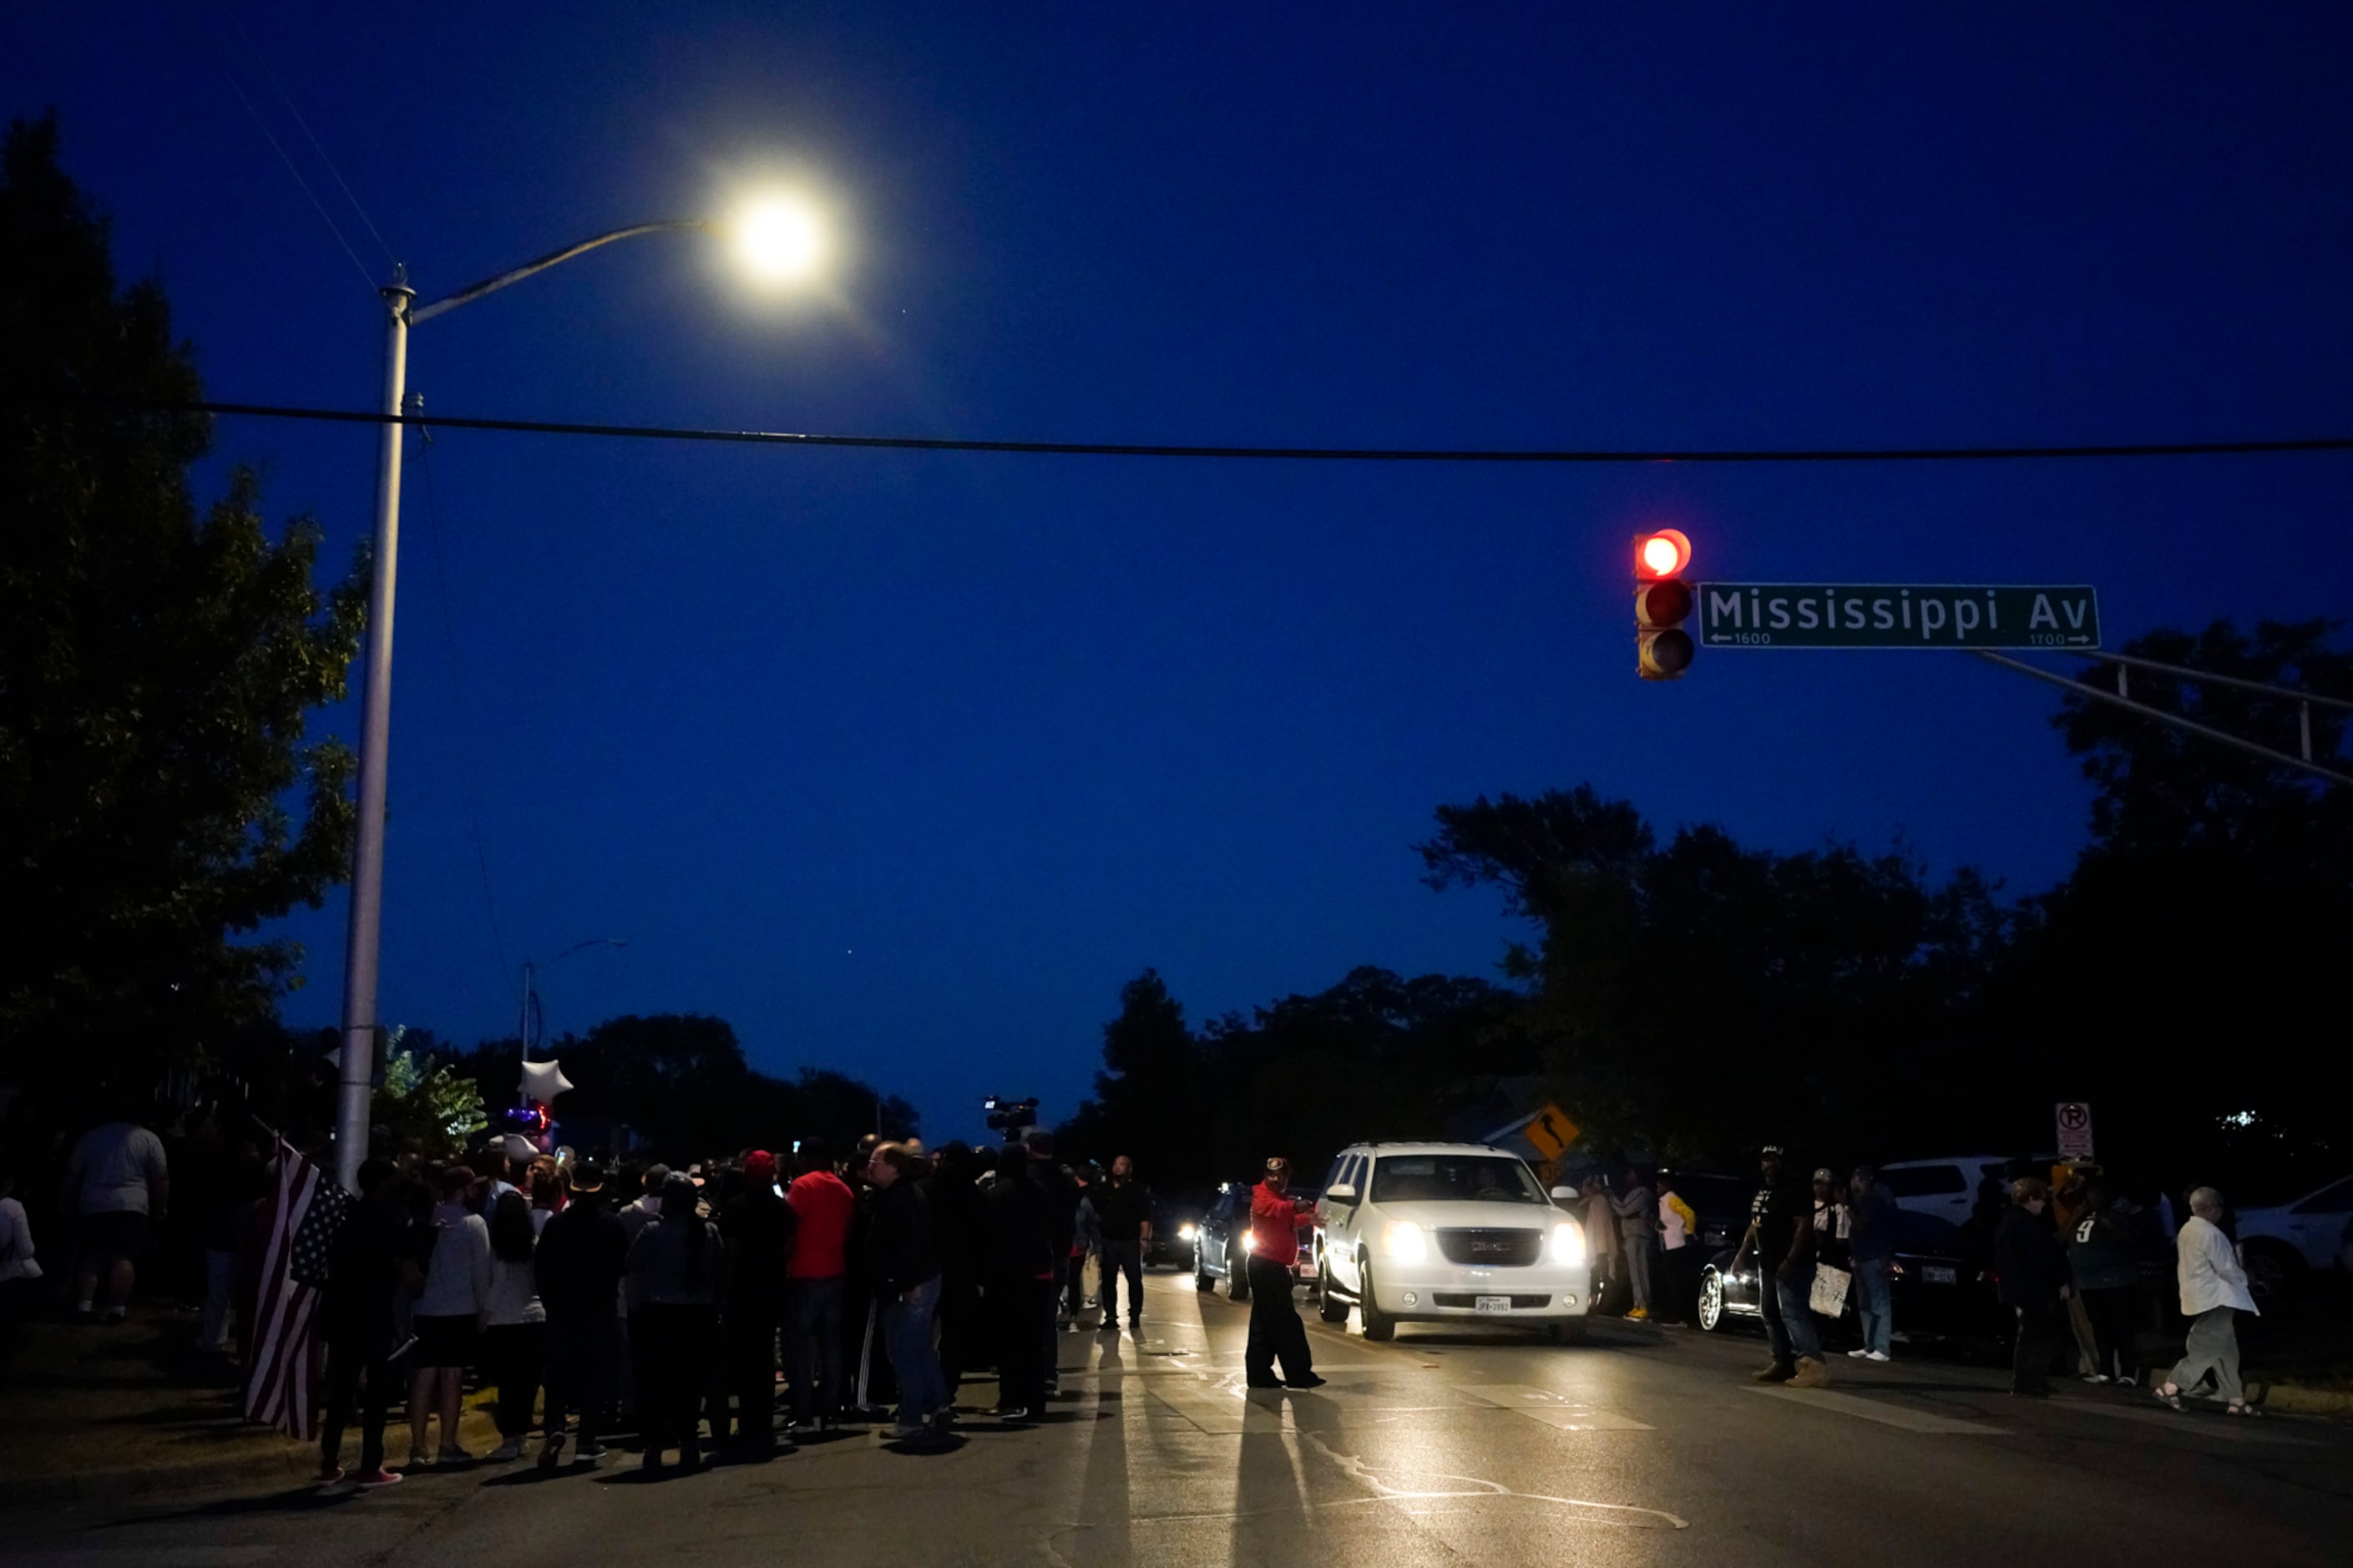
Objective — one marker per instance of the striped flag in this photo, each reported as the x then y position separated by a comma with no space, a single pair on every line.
283,1377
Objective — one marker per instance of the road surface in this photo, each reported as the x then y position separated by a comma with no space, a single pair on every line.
1644,1446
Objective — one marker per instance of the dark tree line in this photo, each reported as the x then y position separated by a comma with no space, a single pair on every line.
1688,996
679,1082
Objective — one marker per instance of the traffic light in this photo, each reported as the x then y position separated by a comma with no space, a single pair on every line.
1662,602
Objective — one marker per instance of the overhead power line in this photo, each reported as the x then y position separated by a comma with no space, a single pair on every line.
1292,454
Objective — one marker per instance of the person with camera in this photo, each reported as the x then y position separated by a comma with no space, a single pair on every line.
1275,1330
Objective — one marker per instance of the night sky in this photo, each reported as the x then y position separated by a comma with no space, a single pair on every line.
905,763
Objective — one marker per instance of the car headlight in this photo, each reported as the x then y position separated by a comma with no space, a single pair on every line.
1185,1232
1249,1241
1568,1243
1404,1241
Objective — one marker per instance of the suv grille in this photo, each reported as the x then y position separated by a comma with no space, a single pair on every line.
1492,1248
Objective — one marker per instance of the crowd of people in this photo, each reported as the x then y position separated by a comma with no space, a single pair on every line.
2068,1254
664,1300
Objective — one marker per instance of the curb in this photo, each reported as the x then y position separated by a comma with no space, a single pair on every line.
2303,1401
294,1465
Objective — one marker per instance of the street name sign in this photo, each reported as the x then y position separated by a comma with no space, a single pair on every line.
1867,614
2074,1119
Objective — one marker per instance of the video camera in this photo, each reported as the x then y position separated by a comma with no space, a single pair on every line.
1011,1117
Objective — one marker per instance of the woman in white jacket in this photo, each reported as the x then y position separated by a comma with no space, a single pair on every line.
2213,1292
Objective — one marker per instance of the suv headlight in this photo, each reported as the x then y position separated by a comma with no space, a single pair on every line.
1568,1243
1184,1231
1403,1240
1249,1241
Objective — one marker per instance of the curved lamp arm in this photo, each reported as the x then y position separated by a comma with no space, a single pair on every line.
472,293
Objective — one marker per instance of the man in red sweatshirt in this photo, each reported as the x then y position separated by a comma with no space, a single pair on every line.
1276,1220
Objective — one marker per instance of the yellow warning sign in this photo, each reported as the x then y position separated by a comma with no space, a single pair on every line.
1551,1131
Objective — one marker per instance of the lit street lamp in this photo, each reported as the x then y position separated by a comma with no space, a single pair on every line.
779,241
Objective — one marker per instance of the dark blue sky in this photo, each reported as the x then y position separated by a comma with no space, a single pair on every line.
905,763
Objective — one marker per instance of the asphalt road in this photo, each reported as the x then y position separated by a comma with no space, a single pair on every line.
1645,1446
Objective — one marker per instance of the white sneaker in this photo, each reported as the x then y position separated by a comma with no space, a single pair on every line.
1877,1355
1859,1355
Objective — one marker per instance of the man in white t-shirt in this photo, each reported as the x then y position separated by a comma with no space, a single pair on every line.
119,1191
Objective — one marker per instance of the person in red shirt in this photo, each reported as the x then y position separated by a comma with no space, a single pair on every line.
823,1208
1275,1330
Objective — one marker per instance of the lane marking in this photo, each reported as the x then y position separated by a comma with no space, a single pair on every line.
1886,1415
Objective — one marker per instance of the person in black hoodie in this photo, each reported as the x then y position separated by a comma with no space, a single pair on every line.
582,1256
959,1221
1021,1271
674,1276
905,1269
1063,1228
758,1226
2033,1274
374,1253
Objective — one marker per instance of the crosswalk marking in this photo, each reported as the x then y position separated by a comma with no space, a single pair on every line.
1885,1414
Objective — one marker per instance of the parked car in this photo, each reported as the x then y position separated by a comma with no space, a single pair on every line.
1935,1290
1447,1233
1221,1244
1947,1187
2283,1243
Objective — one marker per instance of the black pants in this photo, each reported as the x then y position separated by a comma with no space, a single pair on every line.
750,1335
353,1359
2030,1361
2116,1321
1016,1306
583,1367
1275,1329
1074,1292
1121,1259
510,1359
961,1338
671,1344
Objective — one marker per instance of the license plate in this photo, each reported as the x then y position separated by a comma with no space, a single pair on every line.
1491,1304
1936,1276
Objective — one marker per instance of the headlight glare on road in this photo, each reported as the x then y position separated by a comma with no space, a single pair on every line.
1404,1241
1568,1243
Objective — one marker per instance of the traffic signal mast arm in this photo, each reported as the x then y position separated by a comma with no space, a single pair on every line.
2115,699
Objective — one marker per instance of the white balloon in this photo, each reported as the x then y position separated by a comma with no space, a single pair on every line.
544,1080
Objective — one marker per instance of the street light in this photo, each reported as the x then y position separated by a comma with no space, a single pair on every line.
530,970
782,240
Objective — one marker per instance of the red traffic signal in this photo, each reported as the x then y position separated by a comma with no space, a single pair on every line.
1661,554
1662,602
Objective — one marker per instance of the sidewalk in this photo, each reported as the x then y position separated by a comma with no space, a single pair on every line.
106,1412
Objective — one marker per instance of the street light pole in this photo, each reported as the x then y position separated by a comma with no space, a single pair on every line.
780,240
363,934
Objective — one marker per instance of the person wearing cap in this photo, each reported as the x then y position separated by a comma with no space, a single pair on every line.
757,1225
1781,1236
1275,1330
583,1254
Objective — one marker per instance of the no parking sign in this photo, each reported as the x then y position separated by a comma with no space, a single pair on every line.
2074,1132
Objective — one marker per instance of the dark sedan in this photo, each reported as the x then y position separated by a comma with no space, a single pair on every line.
1936,1290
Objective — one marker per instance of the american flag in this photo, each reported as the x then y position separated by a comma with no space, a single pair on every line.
283,1377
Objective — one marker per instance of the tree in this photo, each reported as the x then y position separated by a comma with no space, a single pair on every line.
158,798
1696,996
2175,978
424,1103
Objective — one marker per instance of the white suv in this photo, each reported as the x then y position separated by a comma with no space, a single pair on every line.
1428,1233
